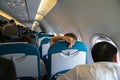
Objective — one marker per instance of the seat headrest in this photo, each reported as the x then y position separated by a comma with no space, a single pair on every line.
27,49
63,45
43,35
45,40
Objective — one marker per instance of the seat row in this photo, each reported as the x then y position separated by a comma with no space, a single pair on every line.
58,58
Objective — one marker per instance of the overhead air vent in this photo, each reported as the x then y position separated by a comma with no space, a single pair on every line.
17,2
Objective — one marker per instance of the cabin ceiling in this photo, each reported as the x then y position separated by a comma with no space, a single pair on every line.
21,10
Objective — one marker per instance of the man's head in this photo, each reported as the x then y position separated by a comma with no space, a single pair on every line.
71,35
11,21
103,51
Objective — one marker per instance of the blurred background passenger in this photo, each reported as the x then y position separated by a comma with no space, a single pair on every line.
12,22
26,38
1,25
7,69
10,30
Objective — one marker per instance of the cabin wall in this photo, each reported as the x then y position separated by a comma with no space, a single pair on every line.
64,19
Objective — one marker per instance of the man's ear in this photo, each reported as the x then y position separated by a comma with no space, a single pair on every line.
115,59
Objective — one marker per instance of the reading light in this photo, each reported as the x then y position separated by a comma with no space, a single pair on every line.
44,7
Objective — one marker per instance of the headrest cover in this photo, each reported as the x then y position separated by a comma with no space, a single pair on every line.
62,45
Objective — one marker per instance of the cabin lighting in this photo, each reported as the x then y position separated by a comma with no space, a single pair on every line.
2,13
44,7
38,17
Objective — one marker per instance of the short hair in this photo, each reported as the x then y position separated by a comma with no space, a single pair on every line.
5,22
71,35
7,69
1,23
26,38
103,51
11,21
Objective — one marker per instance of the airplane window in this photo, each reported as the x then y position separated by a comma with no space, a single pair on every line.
99,37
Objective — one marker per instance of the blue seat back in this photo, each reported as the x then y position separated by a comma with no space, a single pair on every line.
43,35
25,52
54,55
45,44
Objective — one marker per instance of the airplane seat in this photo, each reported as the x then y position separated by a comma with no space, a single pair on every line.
26,58
35,33
41,36
39,41
62,58
45,44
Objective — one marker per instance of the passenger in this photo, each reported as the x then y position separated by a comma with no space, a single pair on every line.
26,38
20,29
5,23
68,37
10,30
2,40
1,36
7,69
1,25
27,31
43,75
12,21
104,68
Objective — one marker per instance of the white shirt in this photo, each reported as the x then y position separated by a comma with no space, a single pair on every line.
96,71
